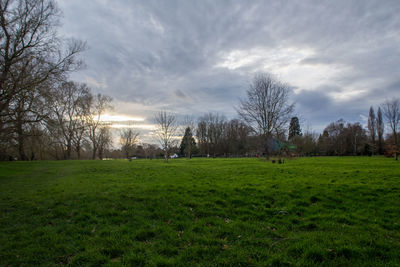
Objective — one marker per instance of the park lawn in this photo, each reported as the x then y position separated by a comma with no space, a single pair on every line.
332,211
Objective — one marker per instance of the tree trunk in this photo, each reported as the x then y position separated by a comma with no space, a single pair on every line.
166,157
78,151
21,142
100,153
94,153
21,149
396,145
266,147
69,148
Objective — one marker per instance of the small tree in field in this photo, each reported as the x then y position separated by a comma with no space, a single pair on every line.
166,129
188,144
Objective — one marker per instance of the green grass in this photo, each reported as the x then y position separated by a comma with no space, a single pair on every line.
201,212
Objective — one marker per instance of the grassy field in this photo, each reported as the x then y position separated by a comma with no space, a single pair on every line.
202,212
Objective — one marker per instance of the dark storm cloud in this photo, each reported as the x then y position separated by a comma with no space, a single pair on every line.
198,56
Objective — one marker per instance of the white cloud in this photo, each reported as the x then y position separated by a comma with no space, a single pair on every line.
287,63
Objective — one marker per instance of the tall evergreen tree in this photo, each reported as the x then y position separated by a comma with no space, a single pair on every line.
380,127
372,128
188,144
294,128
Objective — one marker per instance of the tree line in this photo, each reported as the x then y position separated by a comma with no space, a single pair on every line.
214,136
45,115
266,127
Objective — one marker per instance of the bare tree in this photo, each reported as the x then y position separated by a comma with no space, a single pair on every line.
236,138
372,128
355,136
202,137
306,143
210,133
68,110
150,150
98,105
341,138
266,109
27,108
128,139
30,51
31,58
166,130
380,128
187,121
391,111
104,140
81,127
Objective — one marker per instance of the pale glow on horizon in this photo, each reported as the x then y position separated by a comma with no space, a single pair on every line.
134,126
120,118
260,56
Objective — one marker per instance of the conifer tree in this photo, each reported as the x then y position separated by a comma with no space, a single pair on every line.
372,128
188,144
294,128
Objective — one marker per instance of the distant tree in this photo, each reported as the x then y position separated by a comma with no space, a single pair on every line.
323,142
97,106
104,140
341,138
166,130
150,150
390,148
188,121
81,128
380,127
391,111
237,138
372,128
188,144
65,120
128,138
294,128
202,137
335,140
306,144
266,108
210,134
355,139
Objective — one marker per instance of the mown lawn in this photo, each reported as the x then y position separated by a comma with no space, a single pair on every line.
201,212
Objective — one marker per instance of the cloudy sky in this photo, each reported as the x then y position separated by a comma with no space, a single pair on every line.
193,57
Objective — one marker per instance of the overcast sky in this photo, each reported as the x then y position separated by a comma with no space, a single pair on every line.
193,57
